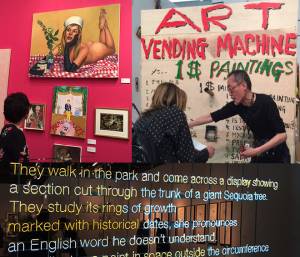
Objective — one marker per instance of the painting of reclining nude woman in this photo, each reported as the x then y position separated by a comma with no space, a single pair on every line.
77,43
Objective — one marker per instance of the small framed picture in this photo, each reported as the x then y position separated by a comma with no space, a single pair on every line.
213,215
11,218
225,214
211,134
199,214
180,217
66,153
36,117
111,123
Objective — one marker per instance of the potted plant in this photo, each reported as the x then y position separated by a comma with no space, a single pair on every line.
51,38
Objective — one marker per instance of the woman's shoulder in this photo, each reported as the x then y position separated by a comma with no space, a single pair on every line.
175,108
11,132
172,109
171,116
166,111
176,111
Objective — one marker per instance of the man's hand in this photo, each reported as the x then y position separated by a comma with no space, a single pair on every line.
211,151
190,123
249,152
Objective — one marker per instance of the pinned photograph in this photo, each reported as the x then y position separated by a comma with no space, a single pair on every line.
111,123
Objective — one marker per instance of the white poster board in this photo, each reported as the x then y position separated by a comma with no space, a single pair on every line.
196,48
4,73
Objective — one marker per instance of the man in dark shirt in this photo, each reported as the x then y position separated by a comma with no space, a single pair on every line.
13,146
261,115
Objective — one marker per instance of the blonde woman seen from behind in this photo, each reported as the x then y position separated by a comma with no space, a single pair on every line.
164,129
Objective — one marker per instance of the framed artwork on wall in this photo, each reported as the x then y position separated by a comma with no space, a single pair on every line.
199,214
188,217
76,43
36,117
225,214
112,123
11,217
69,111
180,217
213,215
66,153
211,134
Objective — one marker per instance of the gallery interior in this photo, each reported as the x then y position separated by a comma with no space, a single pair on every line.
259,222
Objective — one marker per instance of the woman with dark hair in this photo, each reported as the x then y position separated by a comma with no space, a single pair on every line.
13,147
164,131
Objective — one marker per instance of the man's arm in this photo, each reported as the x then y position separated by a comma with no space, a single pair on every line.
201,120
225,112
274,141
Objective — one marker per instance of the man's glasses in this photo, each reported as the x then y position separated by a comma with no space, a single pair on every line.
232,88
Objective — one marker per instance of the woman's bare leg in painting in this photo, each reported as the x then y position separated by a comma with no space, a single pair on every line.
105,36
105,46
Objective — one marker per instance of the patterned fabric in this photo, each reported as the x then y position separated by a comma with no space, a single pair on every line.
13,146
170,132
106,68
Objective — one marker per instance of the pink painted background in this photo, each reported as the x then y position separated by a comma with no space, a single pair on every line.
16,24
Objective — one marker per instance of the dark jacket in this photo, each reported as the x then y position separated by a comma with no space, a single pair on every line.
168,130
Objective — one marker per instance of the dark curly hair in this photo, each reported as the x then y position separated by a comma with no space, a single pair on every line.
16,107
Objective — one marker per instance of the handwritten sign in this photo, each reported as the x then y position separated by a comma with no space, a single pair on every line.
197,47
